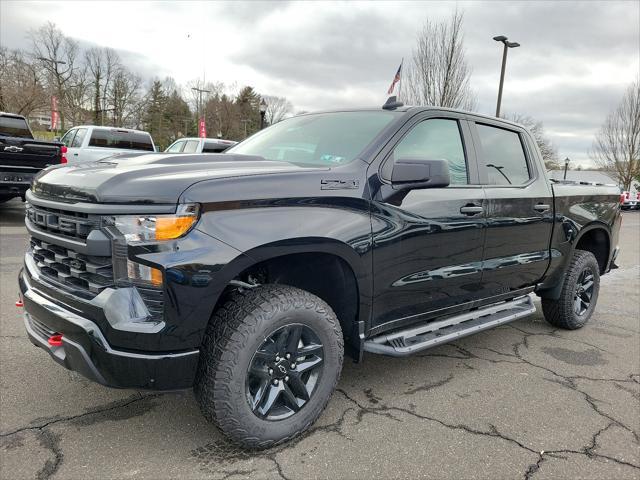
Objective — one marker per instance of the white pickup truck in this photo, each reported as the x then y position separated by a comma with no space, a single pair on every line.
87,143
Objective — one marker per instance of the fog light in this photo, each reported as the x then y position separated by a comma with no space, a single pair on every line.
139,273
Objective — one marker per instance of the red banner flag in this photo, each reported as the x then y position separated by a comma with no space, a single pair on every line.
202,128
54,113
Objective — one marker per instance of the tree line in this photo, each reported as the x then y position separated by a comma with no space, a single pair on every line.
93,86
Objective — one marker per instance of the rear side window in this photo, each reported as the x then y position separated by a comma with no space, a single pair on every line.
436,139
121,139
503,157
191,146
79,138
14,127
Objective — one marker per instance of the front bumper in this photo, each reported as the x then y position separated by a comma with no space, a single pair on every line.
85,350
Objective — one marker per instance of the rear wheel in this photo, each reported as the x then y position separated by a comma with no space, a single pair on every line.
579,294
271,359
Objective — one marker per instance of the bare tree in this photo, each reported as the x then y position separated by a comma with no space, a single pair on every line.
102,63
547,148
277,109
438,73
124,96
56,56
20,89
616,148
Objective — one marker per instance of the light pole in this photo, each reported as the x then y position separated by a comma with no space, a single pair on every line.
566,167
263,112
507,44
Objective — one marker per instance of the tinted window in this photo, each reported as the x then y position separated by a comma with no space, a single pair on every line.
436,139
121,139
191,146
176,147
68,138
79,138
210,147
324,139
14,127
503,156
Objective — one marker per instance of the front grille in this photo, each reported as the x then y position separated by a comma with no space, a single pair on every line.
84,275
66,223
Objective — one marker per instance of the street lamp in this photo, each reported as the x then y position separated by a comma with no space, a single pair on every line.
566,167
263,112
507,44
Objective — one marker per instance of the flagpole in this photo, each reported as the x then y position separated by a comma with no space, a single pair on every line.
401,75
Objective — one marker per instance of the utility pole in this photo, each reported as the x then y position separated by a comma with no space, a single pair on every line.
507,45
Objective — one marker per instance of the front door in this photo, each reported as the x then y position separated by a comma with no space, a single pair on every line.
519,208
428,243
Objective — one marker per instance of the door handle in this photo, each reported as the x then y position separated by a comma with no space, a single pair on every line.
75,154
542,207
471,209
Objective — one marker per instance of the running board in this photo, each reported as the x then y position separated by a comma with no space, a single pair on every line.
406,342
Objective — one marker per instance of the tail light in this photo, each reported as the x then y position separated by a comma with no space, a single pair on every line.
621,198
638,196
626,195
63,149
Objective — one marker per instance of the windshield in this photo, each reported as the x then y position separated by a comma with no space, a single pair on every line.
323,139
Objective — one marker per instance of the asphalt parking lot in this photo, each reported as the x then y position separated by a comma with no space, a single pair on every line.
521,401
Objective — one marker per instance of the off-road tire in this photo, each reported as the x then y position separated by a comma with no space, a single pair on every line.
234,333
561,313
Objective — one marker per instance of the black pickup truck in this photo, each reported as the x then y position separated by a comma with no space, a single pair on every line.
247,275
22,157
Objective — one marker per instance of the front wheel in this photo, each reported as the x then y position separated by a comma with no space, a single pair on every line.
577,301
271,359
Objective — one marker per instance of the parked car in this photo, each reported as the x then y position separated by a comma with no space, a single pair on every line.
21,156
630,200
247,275
200,145
88,143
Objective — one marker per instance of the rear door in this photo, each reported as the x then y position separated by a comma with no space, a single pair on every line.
428,244
75,152
519,209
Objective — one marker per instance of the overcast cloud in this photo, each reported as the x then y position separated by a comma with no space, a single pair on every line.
575,62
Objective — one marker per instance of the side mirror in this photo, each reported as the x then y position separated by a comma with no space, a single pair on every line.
414,173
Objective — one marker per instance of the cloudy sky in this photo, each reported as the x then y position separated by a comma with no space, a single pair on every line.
574,64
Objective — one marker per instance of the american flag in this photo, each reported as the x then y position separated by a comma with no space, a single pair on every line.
396,79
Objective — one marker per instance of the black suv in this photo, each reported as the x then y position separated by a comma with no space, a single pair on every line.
247,275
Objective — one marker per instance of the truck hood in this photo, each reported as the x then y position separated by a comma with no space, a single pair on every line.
151,179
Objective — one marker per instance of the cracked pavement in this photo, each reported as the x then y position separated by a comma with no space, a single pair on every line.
524,400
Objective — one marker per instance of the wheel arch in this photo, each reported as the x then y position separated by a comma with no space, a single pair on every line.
595,238
332,270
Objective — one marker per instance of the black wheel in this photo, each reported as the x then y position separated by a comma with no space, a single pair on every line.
271,359
579,293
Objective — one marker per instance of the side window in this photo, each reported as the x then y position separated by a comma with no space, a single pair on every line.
68,138
78,139
503,156
176,147
191,146
436,139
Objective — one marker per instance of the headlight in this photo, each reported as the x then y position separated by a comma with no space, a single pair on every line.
151,228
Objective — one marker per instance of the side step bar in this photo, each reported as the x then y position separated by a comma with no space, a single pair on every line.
406,342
